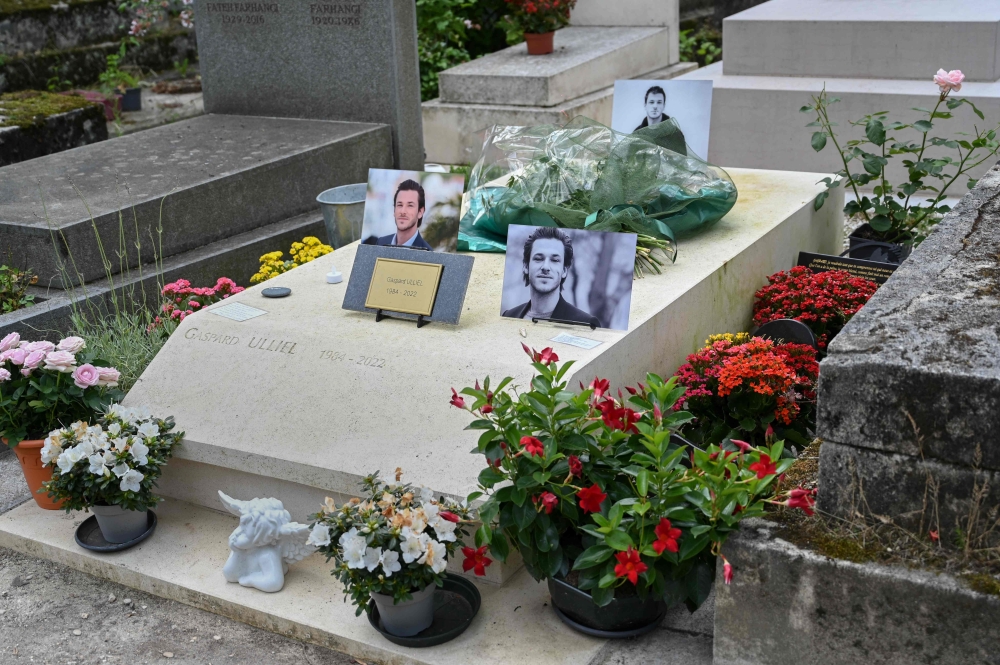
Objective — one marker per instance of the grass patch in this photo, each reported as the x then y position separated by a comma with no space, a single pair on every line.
121,340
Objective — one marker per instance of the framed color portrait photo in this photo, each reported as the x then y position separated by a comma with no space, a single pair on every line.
414,209
638,104
568,275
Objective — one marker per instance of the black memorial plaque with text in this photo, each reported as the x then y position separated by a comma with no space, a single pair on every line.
876,271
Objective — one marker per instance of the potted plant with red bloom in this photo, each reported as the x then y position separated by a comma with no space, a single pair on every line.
539,19
602,501
824,301
740,387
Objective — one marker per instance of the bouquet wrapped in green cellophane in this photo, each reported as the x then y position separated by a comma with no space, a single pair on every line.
587,176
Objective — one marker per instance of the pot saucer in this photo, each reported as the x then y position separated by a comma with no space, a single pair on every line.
455,606
89,536
610,634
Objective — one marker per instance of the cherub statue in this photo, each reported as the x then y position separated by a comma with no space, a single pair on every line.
264,543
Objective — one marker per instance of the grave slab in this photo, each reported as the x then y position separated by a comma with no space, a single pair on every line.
306,400
454,133
585,60
337,60
886,39
663,13
205,179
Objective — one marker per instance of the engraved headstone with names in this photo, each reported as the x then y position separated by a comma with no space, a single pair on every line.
352,60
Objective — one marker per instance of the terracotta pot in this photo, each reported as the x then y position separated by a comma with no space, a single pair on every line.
29,454
539,44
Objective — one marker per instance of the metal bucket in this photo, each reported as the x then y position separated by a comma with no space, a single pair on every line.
343,212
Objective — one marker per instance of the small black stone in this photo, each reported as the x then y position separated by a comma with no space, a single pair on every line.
276,292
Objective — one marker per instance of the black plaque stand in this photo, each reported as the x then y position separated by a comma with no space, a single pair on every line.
380,314
569,323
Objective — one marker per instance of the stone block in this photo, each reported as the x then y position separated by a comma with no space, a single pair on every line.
661,13
377,392
918,494
864,39
39,27
55,133
204,180
926,347
788,606
756,122
454,132
585,60
339,60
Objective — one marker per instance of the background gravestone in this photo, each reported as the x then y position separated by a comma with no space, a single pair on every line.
352,60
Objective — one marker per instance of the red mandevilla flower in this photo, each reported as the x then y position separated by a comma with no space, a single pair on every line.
548,501
591,498
575,465
450,516
629,565
765,467
727,570
532,446
620,418
476,560
666,537
600,387
802,498
456,400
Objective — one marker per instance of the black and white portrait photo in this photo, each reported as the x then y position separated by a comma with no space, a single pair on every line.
413,209
639,104
568,275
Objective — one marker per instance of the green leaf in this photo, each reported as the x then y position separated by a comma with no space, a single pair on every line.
818,141
524,515
619,540
875,131
593,556
923,126
699,583
602,595
642,482
881,223
479,424
489,477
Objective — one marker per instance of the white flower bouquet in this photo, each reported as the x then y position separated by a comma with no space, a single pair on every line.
395,542
113,463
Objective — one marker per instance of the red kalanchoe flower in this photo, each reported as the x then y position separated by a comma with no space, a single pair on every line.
802,498
666,537
765,467
575,465
548,501
456,400
591,498
600,387
629,565
476,560
450,516
532,446
727,571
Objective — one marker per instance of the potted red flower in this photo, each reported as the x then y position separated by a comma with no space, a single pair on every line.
539,19
824,301
740,387
621,518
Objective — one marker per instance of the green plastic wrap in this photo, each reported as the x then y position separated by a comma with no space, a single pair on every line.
585,175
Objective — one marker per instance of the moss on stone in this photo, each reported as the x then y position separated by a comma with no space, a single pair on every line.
16,6
31,107
982,583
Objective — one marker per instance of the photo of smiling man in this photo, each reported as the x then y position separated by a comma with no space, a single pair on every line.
412,209
568,276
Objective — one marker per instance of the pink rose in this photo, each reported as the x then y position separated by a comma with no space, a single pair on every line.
60,361
10,341
108,376
17,356
948,81
86,375
72,344
44,347
4,375
33,360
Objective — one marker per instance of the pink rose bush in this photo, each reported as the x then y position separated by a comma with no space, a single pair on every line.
182,300
44,386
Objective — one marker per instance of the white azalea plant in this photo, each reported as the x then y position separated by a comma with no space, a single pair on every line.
394,542
113,463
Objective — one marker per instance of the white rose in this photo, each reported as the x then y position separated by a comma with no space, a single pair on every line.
72,344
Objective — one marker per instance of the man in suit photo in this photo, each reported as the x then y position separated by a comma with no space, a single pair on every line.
408,210
547,259
656,100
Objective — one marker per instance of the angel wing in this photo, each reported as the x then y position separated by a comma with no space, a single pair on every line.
293,538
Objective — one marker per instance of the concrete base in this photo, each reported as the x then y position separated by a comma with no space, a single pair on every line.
756,121
454,132
332,396
788,606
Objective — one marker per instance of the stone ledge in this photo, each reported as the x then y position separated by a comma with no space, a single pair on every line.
55,133
926,346
788,606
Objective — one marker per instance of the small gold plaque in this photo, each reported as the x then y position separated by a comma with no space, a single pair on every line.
404,286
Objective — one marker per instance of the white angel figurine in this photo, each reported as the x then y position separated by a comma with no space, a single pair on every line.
264,543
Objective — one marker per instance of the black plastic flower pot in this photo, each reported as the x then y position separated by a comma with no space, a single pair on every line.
623,617
132,99
862,246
